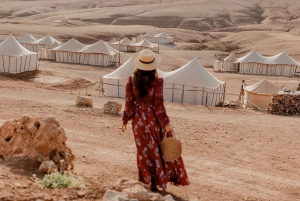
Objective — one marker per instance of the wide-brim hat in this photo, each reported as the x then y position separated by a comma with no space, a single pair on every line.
146,60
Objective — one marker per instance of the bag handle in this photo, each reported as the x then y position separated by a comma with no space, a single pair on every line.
165,133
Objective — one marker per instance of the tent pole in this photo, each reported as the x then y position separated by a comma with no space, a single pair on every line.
8,63
224,87
100,85
173,93
29,62
182,94
3,64
118,89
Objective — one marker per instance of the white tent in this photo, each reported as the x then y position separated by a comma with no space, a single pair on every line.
144,44
260,94
114,83
164,38
156,38
14,58
48,53
217,65
99,53
113,40
69,52
64,18
26,41
43,43
228,63
193,84
123,45
280,64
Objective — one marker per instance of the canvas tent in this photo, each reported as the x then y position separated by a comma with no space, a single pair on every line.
14,58
156,38
123,45
114,83
144,44
259,94
99,53
228,63
113,40
280,64
217,65
48,53
42,43
69,52
64,18
26,41
193,84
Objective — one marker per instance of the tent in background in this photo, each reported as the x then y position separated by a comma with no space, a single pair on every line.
48,53
156,38
64,18
123,45
14,58
113,40
43,43
217,66
228,63
26,41
144,44
193,84
99,53
254,63
260,94
69,52
114,83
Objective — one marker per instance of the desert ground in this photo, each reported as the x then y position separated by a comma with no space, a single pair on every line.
229,153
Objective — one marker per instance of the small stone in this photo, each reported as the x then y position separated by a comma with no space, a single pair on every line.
47,198
48,167
81,193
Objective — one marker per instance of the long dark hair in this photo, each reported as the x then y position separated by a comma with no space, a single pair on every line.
142,81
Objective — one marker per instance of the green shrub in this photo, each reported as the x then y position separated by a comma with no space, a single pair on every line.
58,180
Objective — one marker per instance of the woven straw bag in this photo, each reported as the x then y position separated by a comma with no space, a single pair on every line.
171,148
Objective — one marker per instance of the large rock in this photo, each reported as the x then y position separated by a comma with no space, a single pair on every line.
112,195
112,107
84,102
41,139
137,191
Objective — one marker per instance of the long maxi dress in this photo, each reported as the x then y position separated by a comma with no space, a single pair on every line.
148,117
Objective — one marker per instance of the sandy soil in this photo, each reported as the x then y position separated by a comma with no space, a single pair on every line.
229,153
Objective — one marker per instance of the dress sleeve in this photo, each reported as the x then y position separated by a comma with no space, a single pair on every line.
129,102
159,108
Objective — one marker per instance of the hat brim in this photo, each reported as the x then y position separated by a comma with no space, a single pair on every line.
146,67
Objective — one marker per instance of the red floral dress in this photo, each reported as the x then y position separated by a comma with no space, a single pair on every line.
148,117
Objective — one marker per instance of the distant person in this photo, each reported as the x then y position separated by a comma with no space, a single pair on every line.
144,105
298,88
242,89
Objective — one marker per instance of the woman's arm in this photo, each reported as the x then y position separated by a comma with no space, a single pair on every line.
129,102
159,108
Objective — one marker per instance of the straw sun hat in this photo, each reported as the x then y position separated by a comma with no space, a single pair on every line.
146,60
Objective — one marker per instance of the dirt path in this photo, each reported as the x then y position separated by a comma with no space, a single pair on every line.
229,154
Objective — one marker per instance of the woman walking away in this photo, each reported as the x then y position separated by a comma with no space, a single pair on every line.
144,105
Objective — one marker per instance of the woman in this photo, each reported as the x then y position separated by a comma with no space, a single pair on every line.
144,105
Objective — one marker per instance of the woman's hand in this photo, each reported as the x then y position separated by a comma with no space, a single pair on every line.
124,127
168,128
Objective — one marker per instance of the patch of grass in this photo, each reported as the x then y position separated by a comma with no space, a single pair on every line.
58,180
